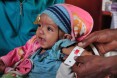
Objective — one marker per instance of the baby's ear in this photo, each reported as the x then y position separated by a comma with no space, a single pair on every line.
67,36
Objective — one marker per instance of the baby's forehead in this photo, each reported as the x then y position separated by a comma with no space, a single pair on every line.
44,18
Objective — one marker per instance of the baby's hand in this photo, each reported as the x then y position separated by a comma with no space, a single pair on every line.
68,50
2,66
85,52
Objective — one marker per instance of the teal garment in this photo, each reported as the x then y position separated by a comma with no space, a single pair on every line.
46,65
16,21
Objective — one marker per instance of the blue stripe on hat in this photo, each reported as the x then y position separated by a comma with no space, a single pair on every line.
65,18
63,13
60,16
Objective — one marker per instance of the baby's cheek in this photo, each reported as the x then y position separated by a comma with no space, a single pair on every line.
86,53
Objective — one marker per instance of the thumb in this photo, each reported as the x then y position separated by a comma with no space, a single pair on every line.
82,59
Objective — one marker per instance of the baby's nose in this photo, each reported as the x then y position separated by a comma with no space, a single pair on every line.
41,31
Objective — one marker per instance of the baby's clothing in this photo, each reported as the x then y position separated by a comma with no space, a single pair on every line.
15,59
46,65
27,59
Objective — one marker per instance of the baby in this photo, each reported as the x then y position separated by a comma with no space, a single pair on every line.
60,27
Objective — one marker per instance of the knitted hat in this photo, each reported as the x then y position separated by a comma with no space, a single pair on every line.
71,19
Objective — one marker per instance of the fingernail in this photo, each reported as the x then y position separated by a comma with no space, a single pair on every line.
81,44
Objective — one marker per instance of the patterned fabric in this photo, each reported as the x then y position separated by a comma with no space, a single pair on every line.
18,58
71,19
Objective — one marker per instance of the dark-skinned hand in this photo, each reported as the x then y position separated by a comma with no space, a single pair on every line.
105,40
93,66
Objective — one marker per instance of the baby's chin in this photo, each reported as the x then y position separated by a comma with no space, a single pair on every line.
45,47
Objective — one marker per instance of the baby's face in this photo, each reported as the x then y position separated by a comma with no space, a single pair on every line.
48,32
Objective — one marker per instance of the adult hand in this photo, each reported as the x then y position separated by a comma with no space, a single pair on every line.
95,66
105,40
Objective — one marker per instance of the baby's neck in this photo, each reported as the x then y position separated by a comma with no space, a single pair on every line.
43,50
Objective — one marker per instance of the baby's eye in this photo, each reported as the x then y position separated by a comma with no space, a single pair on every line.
49,28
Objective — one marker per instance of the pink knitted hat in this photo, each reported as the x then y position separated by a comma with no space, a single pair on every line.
81,21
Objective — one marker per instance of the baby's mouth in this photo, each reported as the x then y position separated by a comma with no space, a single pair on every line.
41,40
